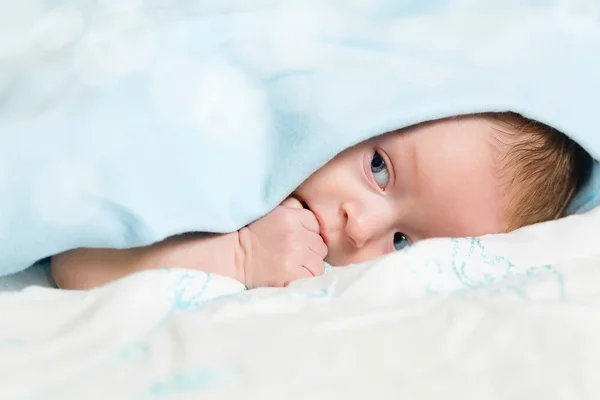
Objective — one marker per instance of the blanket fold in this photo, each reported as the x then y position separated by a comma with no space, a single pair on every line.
122,123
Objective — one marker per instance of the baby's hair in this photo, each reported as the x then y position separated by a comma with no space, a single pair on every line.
543,168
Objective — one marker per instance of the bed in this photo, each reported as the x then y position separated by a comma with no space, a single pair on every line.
499,317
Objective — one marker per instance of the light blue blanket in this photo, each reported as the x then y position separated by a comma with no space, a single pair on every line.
123,122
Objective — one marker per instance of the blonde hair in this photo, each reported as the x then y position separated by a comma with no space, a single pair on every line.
543,168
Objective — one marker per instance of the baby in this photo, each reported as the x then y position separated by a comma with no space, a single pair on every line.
463,176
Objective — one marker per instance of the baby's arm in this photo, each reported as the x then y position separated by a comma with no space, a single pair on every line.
82,269
283,246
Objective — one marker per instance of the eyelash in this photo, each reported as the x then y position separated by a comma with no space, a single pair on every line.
386,169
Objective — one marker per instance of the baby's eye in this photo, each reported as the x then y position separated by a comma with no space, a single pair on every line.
400,241
380,170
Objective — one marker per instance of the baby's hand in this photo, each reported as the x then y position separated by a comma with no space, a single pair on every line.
283,246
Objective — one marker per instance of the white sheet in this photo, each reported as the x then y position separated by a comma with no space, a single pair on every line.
505,317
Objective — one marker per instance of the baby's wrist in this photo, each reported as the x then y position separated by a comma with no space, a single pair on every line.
241,256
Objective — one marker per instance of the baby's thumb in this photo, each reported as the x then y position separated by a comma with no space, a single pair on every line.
291,202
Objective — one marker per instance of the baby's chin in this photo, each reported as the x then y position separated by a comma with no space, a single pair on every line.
335,259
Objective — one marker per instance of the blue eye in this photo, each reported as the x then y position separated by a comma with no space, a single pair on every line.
400,241
380,170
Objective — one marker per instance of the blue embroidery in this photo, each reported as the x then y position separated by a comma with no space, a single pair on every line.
459,268
187,298
179,382
506,276
133,351
249,297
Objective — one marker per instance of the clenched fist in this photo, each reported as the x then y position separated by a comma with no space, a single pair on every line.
283,246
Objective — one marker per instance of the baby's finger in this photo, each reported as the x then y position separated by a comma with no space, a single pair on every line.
310,222
317,245
291,202
314,264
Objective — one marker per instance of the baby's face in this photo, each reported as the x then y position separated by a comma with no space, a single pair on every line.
434,180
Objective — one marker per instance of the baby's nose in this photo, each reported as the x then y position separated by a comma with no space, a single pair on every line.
358,226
